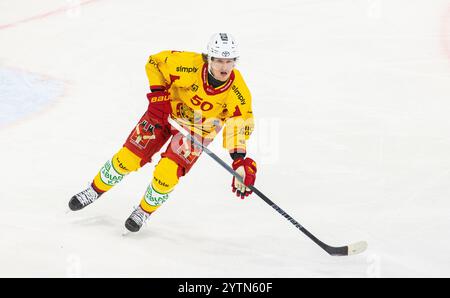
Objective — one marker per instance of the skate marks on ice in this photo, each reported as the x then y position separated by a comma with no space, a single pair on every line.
114,225
92,221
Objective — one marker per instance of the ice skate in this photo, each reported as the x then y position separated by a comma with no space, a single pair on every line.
82,199
136,220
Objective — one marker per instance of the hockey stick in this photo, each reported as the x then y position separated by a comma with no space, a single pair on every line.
351,249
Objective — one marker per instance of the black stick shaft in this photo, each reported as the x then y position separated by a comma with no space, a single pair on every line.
257,192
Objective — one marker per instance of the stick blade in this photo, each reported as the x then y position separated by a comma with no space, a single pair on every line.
352,249
357,248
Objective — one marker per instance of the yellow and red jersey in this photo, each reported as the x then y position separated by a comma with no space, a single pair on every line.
199,106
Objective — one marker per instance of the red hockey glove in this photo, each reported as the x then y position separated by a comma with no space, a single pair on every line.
159,105
246,168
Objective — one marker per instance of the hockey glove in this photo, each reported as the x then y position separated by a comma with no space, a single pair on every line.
246,168
159,105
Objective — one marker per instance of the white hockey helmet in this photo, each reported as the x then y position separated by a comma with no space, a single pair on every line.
222,45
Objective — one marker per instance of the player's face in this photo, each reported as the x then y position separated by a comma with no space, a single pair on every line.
221,68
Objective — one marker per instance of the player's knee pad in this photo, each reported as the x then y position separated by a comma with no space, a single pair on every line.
165,176
164,180
122,163
126,161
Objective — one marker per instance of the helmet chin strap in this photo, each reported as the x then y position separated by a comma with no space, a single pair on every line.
209,67
210,71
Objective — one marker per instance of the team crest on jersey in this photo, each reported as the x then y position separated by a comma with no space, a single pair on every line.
185,112
142,134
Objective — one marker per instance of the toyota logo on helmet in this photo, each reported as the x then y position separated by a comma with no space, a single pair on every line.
225,53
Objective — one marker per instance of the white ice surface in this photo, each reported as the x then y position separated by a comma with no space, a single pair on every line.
352,104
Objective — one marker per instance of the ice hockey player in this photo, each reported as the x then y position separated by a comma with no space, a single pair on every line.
203,93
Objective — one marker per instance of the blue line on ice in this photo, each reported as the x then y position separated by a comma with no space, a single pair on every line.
23,93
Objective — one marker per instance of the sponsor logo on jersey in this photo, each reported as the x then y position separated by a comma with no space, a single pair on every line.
238,94
194,87
186,69
246,130
151,61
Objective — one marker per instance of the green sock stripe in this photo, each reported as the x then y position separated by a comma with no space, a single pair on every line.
159,192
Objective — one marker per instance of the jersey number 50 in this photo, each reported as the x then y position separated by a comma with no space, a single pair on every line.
204,105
